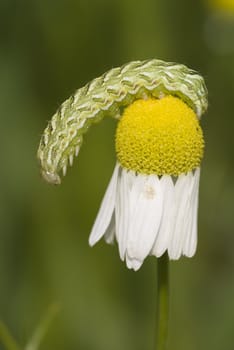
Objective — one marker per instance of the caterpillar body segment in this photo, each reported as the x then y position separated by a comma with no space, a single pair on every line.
106,96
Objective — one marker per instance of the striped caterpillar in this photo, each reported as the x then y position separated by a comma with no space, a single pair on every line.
106,96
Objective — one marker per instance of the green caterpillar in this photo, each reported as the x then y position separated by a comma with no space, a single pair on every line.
107,95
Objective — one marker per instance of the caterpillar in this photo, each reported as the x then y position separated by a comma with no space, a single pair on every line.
107,95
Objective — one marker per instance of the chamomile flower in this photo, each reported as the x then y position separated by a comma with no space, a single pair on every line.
150,206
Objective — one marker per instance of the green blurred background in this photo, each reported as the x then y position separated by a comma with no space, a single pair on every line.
47,50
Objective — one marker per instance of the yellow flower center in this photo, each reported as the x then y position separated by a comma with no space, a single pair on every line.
159,136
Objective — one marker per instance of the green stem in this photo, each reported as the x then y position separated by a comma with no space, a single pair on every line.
41,330
162,302
7,339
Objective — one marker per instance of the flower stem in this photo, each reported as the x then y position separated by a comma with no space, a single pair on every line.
162,302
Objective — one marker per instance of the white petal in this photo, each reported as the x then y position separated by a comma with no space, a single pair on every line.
133,263
145,216
122,211
117,205
183,190
131,178
190,243
110,231
105,212
168,217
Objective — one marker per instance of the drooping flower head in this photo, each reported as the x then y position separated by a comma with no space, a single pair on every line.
150,206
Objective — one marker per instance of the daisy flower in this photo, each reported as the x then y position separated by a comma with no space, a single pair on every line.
151,203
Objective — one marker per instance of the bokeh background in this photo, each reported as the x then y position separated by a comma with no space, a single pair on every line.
47,50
